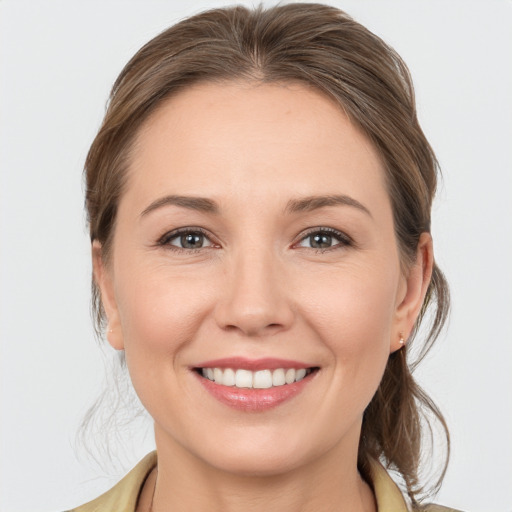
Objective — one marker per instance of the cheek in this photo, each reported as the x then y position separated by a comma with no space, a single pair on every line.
353,312
160,311
355,304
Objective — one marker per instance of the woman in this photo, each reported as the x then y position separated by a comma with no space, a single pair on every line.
259,200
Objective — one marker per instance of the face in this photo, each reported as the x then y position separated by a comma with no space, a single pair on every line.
254,244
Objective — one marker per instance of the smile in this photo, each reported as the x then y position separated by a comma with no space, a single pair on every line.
254,385
261,379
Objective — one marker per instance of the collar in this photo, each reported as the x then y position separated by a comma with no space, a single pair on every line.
124,495
387,494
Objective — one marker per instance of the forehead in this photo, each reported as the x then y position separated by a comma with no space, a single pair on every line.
237,138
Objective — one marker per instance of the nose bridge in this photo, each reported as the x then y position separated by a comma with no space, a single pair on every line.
254,300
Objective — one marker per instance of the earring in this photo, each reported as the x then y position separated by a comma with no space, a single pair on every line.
402,341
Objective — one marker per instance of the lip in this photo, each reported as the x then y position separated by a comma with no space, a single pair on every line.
250,399
242,363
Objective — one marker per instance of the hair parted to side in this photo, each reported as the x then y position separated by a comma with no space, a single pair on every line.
325,48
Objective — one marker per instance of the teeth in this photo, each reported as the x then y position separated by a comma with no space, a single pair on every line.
243,379
278,378
261,379
229,378
290,376
217,375
300,374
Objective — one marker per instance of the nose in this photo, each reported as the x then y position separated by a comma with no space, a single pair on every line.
254,301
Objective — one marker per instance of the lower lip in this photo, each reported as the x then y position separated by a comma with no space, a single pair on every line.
254,400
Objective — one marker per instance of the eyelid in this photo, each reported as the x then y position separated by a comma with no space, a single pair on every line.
165,239
344,239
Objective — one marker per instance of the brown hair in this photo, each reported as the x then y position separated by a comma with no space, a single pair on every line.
324,48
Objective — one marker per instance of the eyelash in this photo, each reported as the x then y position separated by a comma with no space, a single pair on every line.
343,239
165,240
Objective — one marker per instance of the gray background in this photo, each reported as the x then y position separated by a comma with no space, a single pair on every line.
58,61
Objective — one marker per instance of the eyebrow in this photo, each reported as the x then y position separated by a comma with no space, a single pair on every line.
310,203
305,204
201,204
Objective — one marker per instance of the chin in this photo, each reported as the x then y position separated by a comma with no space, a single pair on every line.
263,451
242,450
258,463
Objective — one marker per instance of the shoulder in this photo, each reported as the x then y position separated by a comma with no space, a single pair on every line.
388,496
123,496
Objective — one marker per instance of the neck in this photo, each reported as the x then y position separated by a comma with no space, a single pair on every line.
183,483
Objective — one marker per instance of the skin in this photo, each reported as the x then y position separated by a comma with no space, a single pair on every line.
257,288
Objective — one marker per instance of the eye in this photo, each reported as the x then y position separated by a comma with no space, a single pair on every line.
324,238
191,239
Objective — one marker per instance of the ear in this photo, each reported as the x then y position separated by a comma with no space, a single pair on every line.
412,292
103,279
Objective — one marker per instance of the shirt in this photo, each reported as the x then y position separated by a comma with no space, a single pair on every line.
124,495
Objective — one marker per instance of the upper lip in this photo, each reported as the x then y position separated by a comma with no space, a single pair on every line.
242,363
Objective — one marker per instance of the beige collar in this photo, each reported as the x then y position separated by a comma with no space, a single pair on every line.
387,494
123,496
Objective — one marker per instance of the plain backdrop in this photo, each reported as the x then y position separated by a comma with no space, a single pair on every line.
57,63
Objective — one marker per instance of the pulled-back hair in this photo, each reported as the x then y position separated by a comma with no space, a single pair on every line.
323,47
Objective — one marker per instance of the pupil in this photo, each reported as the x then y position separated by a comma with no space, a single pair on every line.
321,241
192,240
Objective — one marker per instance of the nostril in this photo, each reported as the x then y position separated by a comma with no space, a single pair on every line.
254,330
253,314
